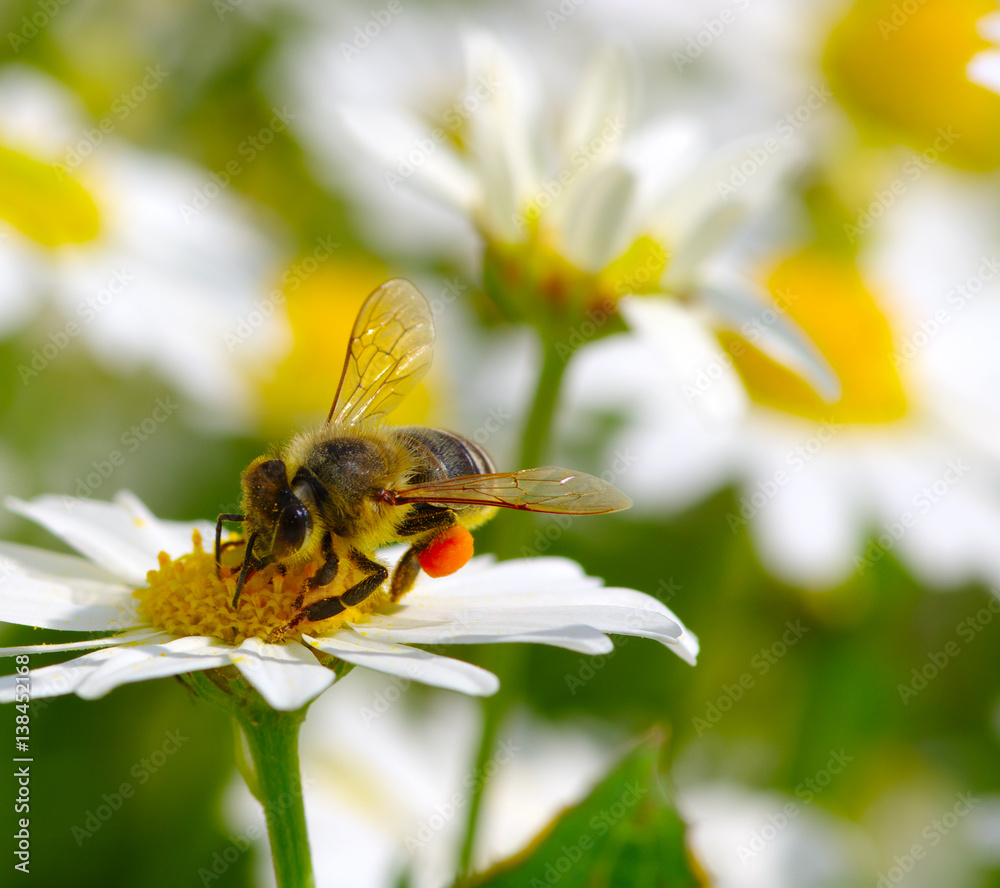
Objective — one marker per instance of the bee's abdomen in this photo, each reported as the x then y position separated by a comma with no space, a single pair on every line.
440,454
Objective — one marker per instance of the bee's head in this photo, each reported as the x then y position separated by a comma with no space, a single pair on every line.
279,512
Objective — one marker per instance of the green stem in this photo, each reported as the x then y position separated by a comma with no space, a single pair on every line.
273,739
538,427
507,660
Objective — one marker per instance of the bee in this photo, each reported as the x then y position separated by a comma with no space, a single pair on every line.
354,484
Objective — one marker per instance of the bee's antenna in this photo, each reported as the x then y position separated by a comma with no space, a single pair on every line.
247,564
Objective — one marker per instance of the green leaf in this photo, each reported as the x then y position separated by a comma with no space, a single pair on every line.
625,833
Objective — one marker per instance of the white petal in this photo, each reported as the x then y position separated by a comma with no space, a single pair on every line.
707,206
406,150
123,537
58,679
149,636
740,302
984,69
43,563
494,630
660,155
132,664
988,27
596,217
82,606
605,97
412,663
287,675
500,133
693,356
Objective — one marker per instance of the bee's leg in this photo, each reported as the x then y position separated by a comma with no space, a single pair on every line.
428,525
218,539
330,607
327,573
405,574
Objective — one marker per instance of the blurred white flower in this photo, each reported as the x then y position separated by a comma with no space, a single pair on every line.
178,619
752,839
389,780
143,257
906,462
578,207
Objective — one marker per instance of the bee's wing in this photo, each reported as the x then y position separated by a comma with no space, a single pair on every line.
548,489
389,352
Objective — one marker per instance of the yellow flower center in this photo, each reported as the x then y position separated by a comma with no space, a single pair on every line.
826,297
902,65
521,271
43,202
186,597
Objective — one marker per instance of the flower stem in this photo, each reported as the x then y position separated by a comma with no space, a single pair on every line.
507,660
538,427
273,739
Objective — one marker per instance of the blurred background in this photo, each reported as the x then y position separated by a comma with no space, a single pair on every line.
187,228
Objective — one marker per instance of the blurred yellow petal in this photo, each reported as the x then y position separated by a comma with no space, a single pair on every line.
824,294
901,65
322,306
43,202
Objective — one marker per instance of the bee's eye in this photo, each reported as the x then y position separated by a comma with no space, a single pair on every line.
304,492
293,528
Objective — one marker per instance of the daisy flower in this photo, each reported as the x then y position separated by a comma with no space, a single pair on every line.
391,778
144,581
139,256
579,211
905,462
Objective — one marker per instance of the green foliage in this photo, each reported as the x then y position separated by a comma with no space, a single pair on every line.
625,833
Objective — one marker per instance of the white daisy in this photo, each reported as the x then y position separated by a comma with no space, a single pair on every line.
392,778
577,208
906,462
144,258
176,619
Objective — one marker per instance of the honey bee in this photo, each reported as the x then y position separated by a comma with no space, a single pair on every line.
355,484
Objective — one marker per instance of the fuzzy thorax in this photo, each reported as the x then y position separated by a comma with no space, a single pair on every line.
185,597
